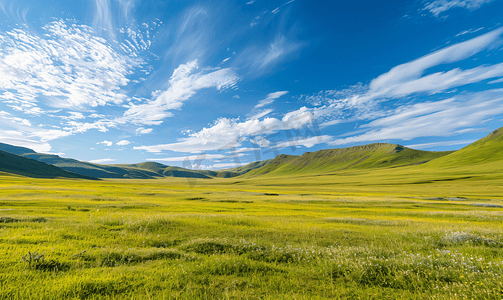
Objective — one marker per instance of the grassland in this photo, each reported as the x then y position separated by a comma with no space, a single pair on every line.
396,233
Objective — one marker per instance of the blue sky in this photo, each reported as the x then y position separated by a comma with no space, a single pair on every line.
215,84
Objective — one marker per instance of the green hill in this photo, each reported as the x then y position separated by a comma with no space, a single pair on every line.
486,150
323,162
83,168
245,169
15,164
145,170
378,155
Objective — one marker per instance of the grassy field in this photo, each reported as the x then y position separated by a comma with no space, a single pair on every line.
402,233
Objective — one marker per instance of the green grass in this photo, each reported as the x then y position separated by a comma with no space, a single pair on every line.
392,233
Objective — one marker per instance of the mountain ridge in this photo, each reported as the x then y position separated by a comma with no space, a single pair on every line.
369,156
19,165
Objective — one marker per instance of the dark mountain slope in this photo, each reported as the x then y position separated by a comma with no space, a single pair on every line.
15,164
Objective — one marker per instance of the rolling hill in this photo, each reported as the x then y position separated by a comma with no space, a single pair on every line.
15,149
15,164
486,150
367,157
378,155
145,170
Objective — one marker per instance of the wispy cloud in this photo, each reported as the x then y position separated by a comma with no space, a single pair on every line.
195,157
362,102
307,142
103,17
270,98
127,8
496,81
440,6
18,139
469,31
227,134
193,34
275,52
226,165
440,144
106,143
224,134
102,161
260,59
276,10
406,79
264,14
67,67
441,118
142,130
184,83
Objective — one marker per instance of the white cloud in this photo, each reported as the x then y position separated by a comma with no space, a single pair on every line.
442,81
224,134
276,10
142,130
250,2
103,17
196,157
439,6
227,133
242,150
103,160
255,21
67,67
184,84
496,81
439,144
123,143
261,59
406,78
275,52
73,116
270,98
50,134
225,60
226,165
307,142
362,102
16,139
441,118
260,114
106,143
469,31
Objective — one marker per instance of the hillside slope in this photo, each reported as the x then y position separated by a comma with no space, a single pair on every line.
486,150
378,155
15,164
15,149
246,168
146,170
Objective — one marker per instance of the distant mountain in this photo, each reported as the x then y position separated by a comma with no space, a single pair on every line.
15,164
15,149
378,155
146,170
372,156
160,170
